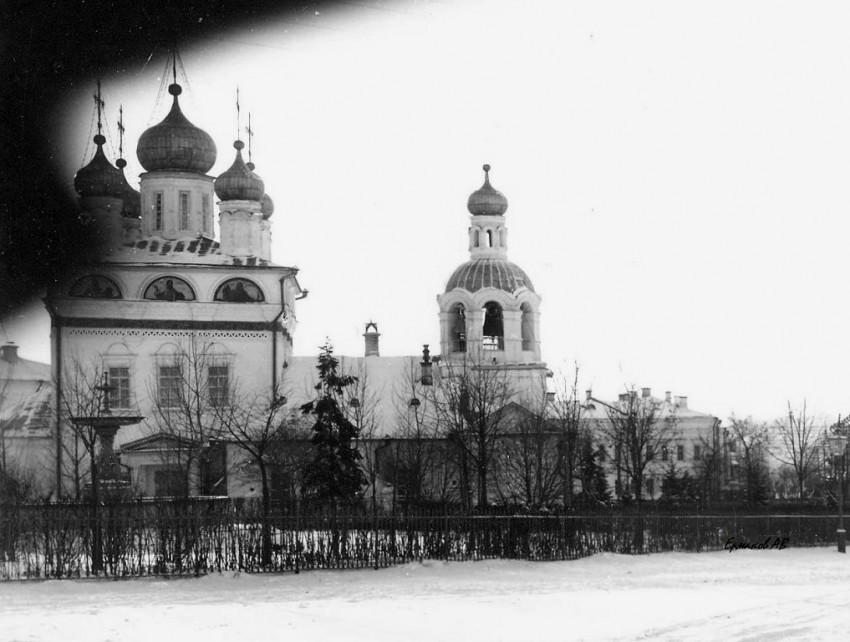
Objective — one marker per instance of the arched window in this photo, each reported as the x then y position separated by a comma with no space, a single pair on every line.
95,286
477,238
494,327
457,323
169,288
489,238
239,291
527,327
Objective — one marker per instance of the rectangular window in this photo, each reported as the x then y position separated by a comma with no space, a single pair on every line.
664,453
650,487
650,453
205,216
119,381
184,210
697,452
218,385
680,453
157,209
603,454
170,386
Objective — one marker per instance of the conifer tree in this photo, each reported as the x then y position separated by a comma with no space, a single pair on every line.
333,475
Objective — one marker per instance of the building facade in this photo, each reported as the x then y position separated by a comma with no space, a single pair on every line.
167,311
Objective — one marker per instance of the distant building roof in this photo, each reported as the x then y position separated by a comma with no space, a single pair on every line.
380,388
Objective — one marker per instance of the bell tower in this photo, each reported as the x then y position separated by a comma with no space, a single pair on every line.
489,311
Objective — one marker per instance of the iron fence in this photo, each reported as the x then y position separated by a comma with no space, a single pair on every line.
194,538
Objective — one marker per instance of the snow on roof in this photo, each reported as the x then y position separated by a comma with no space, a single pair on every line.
31,414
200,250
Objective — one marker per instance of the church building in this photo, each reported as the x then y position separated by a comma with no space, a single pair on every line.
166,307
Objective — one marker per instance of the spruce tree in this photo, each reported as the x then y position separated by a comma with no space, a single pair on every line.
333,476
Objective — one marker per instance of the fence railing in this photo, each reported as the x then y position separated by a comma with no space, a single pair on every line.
179,538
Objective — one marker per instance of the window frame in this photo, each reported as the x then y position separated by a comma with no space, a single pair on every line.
183,205
158,211
221,398
161,389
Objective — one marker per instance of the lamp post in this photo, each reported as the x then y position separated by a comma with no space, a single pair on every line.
838,448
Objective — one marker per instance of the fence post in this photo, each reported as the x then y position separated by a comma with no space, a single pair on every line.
375,531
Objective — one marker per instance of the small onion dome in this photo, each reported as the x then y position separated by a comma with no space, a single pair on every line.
267,207
99,177
175,144
132,198
239,183
478,274
487,201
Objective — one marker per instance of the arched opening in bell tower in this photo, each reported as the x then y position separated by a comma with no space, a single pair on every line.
494,327
457,324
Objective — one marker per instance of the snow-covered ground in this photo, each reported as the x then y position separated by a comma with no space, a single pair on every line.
793,594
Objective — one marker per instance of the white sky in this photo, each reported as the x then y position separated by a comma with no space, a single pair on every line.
676,173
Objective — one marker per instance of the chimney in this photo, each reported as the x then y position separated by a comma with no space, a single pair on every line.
624,396
668,397
644,392
682,402
372,339
9,352
588,395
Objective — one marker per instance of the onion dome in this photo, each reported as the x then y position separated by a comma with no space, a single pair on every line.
132,198
99,177
487,201
267,207
239,183
500,274
175,144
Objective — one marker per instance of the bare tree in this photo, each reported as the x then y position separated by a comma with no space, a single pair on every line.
798,436
566,410
708,467
753,441
637,431
360,402
189,387
471,399
531,460
419,463
80,397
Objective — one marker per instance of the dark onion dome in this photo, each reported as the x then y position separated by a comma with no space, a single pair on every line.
132,198
487,201
175,144
477,274
99,177
267,207
239,183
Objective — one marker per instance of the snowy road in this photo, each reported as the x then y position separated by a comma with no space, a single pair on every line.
794,594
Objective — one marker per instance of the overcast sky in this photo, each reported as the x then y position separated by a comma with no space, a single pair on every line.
677,175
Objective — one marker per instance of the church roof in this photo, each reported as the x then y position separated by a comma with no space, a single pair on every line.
477,274
200,250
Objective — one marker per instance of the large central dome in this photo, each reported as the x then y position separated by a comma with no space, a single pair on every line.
477,274
175,144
